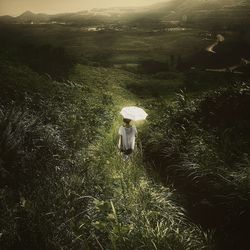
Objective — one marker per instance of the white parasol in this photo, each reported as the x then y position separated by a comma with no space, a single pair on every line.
133,113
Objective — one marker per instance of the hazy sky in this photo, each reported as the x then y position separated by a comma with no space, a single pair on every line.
16,7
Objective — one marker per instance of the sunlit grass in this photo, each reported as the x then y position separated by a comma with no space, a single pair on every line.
137,212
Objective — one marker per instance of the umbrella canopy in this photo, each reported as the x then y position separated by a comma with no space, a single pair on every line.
133,113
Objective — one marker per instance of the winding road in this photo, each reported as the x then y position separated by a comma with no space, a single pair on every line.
210,48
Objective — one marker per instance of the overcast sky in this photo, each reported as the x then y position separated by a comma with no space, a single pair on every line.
16,7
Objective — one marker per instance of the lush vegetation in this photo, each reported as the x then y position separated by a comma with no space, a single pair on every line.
202,145
46,127
63,183
61,186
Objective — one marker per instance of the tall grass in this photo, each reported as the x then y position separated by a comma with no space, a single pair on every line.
134,212
201,145
46,128
64,184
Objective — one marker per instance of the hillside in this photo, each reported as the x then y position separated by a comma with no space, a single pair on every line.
204,13
63,181
199,13
60,164
65,184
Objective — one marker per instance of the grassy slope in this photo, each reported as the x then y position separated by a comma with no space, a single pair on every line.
135,212
80,193
210,158
43,163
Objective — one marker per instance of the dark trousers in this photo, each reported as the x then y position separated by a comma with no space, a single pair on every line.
127,151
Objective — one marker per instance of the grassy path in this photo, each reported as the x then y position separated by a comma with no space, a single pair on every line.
135,212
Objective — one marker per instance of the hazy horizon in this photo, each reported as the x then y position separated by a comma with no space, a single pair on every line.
17,7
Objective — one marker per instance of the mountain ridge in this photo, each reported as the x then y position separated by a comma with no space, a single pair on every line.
192,10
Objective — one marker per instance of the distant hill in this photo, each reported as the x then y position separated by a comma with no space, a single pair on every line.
104,14
186,6
29,16
206,13
7,19
201,13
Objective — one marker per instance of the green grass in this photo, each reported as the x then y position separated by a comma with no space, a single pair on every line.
80,193
44,164
67,183
137,212
201,145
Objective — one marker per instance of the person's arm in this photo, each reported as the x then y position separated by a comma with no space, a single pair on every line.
120,142
120,138
135,131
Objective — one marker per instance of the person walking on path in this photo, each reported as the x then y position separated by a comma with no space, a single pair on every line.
127,135
127,132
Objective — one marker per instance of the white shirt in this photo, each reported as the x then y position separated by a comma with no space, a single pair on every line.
127,139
